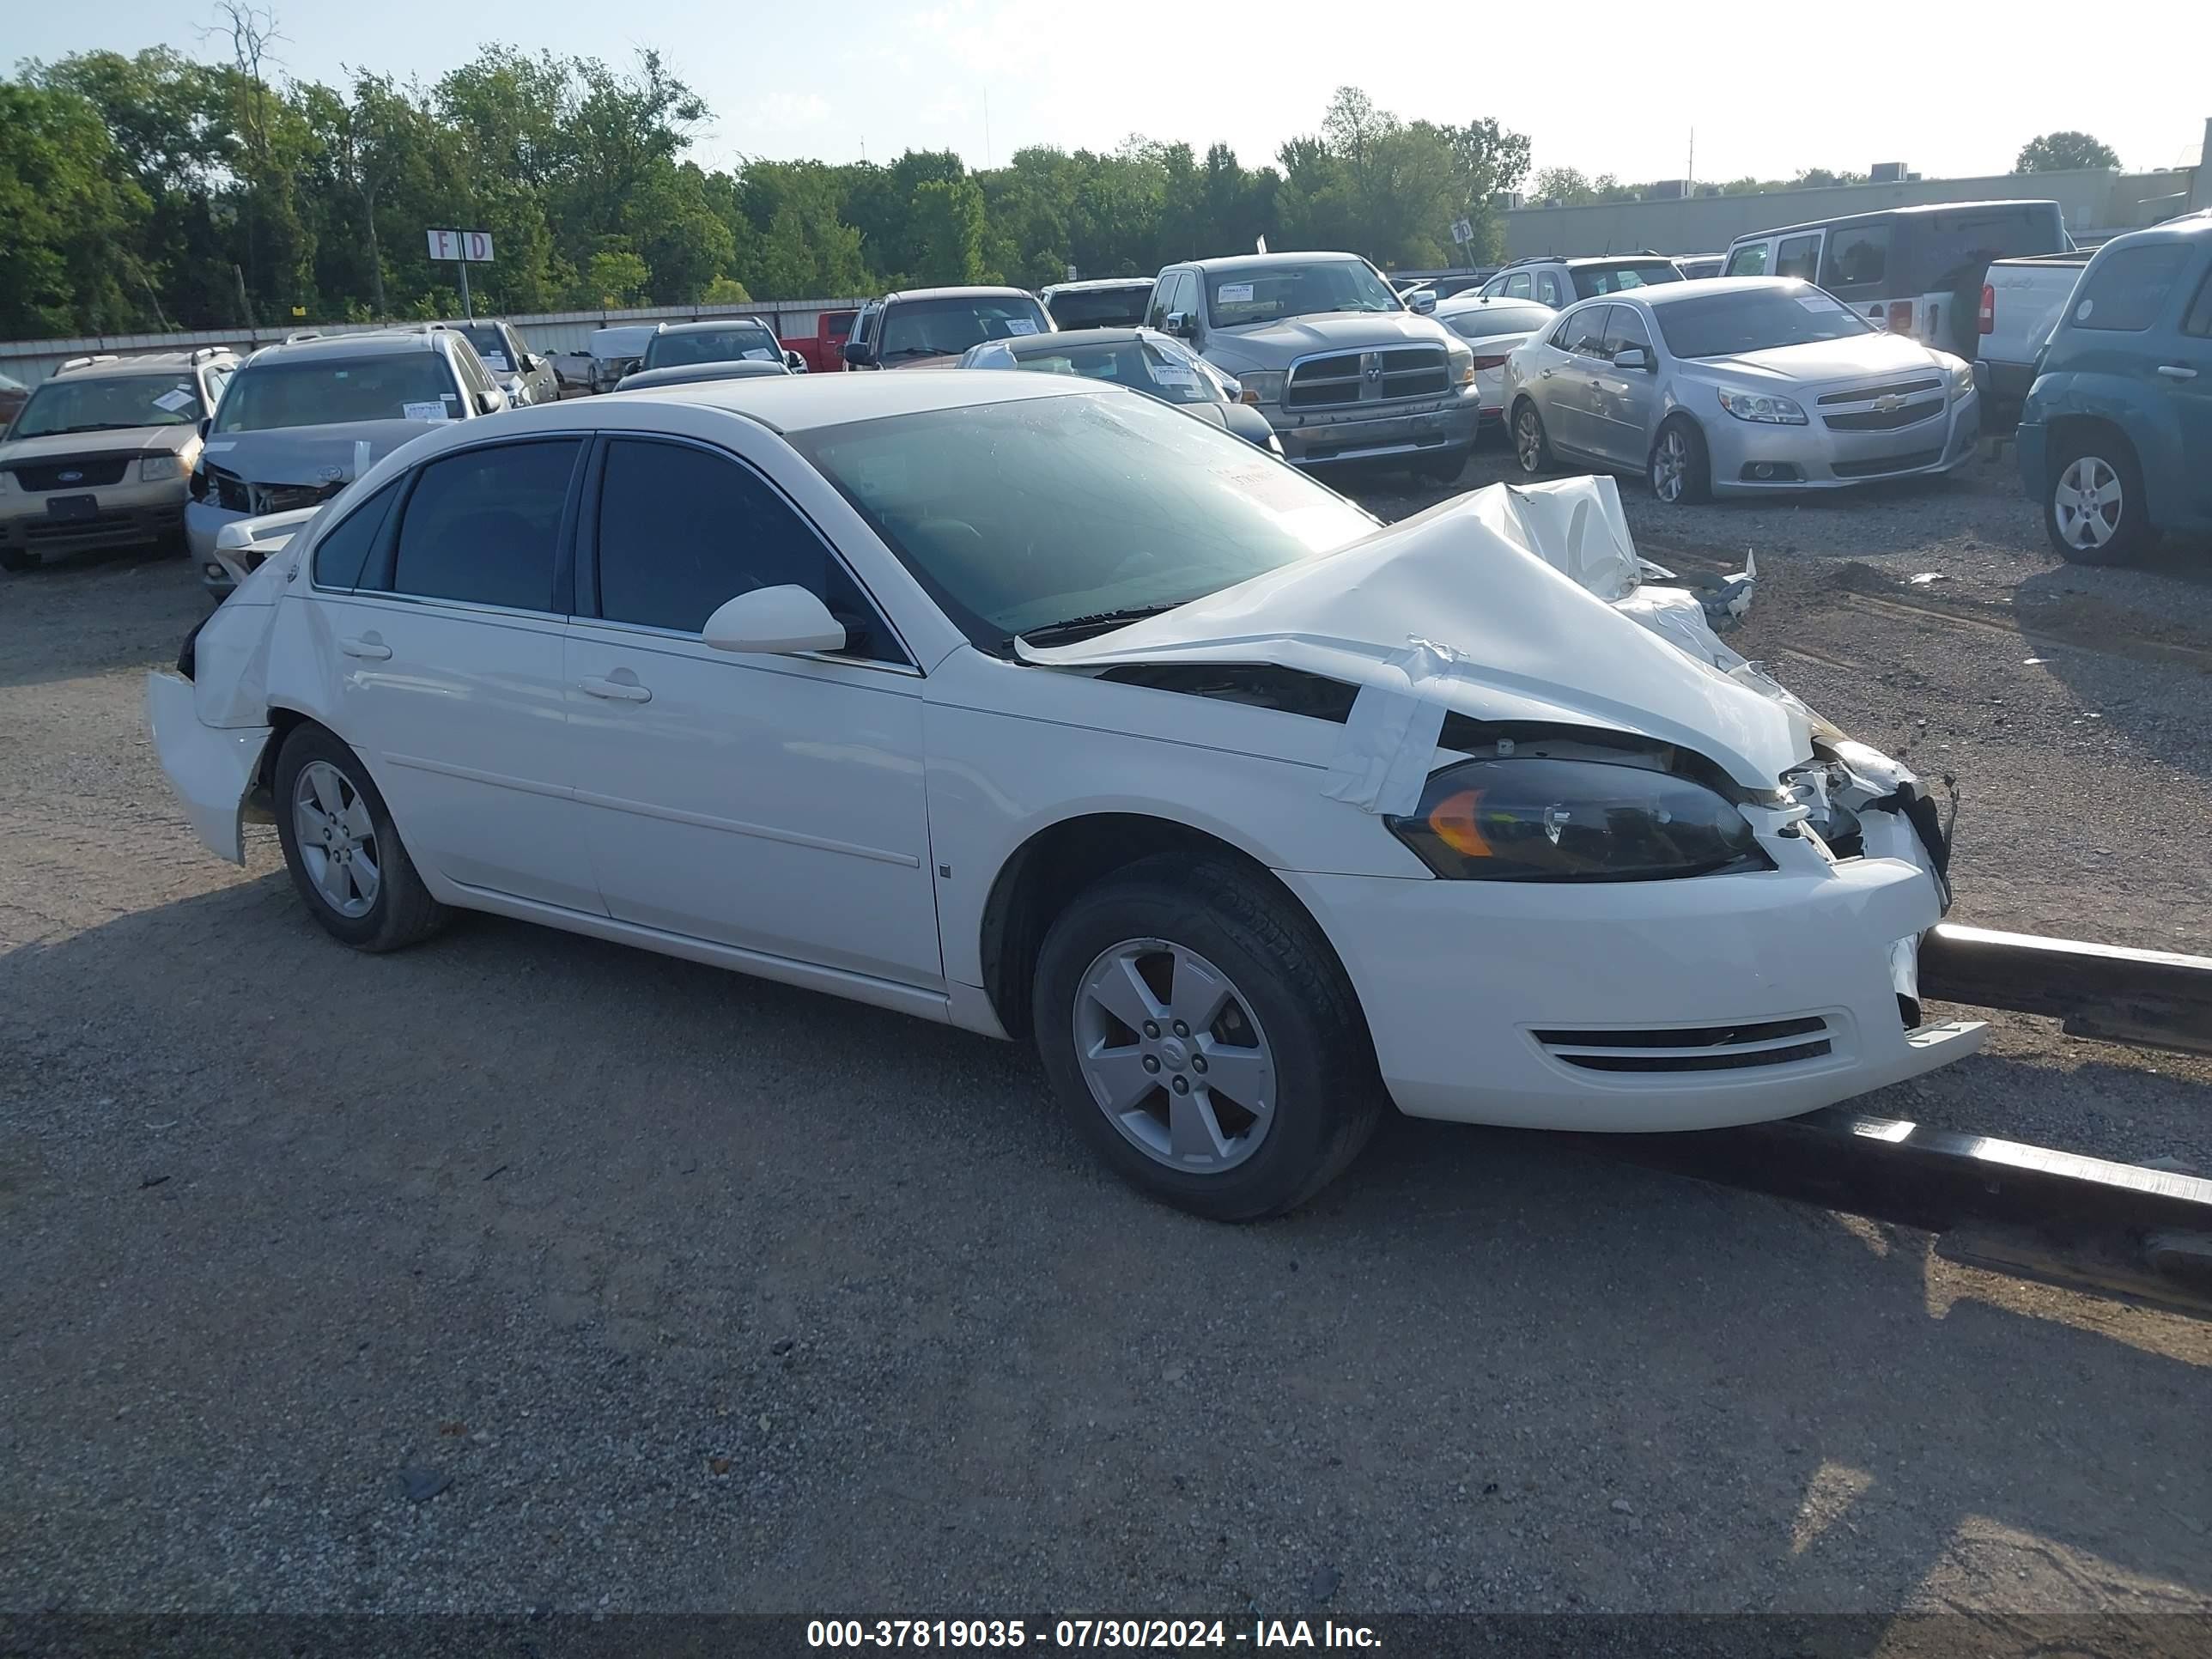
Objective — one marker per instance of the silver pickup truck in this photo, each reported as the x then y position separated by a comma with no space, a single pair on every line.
1342,368
2022,301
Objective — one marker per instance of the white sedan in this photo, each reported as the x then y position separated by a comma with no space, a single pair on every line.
1031,706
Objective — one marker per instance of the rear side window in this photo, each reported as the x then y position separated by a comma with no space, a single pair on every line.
1798,257
1548,289
1585,332
1858,257
483,527
683,532
341,554
2129,287
1747,261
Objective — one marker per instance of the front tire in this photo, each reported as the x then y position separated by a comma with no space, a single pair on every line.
2093,504
346,859
1446,468
1200,1035
1531,446
1679,472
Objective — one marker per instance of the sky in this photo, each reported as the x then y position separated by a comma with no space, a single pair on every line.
1770,90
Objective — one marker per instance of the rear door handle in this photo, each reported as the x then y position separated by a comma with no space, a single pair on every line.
2176,372
371,648
616,691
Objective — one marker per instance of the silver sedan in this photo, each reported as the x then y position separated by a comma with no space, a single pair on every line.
1736,386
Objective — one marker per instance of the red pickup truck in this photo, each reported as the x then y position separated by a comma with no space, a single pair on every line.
825,349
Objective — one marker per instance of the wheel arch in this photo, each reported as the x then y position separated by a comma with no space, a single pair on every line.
2065,434
1061,860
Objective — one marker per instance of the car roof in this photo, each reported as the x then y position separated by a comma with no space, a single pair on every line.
367,343
1223,261
1068,338
710,325
800,403
1090,283
1918,210
972,292
1668,293
152,362
2188,228
1468,300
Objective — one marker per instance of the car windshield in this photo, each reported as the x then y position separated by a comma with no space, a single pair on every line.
947,327
1137,364
108,404
713,345
1725,324
489,346
1483,321
397,386
1626,273
1266,293
1101,308
1020,514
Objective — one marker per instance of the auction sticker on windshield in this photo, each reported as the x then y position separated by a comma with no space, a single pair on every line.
433,411
1233,293
1020,326
495,360
1818,302
170,402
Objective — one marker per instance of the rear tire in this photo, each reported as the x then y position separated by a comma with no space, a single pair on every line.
1531,446
1172,1108
347,861
2092,501
1679,472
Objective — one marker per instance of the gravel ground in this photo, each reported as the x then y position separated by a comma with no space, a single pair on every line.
689,1291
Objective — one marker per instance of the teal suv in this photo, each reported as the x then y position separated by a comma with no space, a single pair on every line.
2115,438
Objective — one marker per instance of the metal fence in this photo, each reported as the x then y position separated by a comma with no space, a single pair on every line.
550,332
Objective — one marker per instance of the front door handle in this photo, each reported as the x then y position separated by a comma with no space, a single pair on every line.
616,691
2176,372
369,645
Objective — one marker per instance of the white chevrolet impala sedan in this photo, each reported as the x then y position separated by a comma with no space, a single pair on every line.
1033,707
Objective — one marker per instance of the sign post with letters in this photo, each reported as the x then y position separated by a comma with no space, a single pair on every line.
465,248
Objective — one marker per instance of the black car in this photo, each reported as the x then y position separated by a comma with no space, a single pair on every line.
1143,360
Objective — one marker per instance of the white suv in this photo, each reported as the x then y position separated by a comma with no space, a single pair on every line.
1560,283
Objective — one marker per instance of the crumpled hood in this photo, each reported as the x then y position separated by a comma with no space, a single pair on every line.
1479,604
1274,345
1833,360
311,454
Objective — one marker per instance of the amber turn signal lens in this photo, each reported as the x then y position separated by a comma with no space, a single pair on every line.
1454,822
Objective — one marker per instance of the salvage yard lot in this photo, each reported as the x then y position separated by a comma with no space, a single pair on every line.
704,1292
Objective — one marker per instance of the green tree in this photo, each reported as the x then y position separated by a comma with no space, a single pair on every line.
1561,188
725,291
71,211
615,276
948,232
2060,152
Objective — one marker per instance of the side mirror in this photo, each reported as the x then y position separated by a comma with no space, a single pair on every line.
1180,323
207,421
490,402
1632,357
1422,300
775,621
860,354
794,362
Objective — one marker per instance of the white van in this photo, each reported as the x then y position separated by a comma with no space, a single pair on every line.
1915,270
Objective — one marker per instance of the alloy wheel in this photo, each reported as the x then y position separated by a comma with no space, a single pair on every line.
337,838
1670,466
1174,1055
2087,502
1529,439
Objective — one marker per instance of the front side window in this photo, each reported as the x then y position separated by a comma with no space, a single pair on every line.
1155,316
393,386
1020,514
1592,280
215,380
490,345
2199,319
1516,286
2127,289
1857,257
342,554
1236,294
1798,257
483,527
1763,320
946,328
1625,328
1750,260
1547,289
682,531
110,402
746,342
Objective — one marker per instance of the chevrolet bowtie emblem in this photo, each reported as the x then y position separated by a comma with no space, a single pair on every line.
1889,403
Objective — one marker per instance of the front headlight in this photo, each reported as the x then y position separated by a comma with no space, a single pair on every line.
1768,407
7,481
1532,818
1460,361
1261,385
157,468
1962,381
